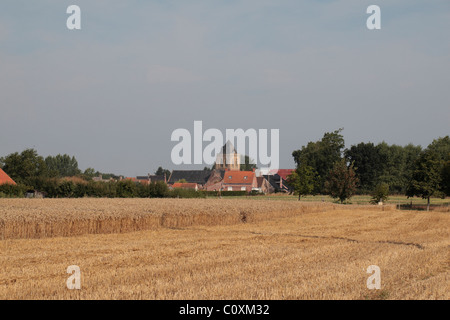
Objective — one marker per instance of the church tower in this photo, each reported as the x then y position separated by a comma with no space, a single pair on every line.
228,158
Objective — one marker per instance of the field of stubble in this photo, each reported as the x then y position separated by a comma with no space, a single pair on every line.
219,249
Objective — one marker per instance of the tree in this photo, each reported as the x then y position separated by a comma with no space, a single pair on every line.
90,173
430,176
62,165
303,180
321,155
380,193
158,189
342,181
446,178
398,163
427,176
24,166
248,164
161,172
441,147
369,163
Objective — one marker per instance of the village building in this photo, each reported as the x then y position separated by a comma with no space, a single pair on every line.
237,181
214,182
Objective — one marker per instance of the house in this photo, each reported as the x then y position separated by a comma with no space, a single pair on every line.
5,179
239,181
200,177
191,186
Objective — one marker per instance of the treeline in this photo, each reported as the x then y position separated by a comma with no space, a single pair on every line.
24,167
60,177
75,188
326,167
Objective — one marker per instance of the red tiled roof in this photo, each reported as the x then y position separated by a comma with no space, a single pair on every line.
245,177
4,178
283,173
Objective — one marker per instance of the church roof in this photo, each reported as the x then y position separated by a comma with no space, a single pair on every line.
191,176
228,148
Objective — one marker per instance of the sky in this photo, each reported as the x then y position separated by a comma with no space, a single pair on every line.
112,93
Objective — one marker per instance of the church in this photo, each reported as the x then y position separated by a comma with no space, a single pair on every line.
228,158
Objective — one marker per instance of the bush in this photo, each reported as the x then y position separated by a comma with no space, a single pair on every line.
126,189
12,191
225,193
380,193
66,189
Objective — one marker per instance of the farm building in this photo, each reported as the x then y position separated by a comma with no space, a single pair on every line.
5,179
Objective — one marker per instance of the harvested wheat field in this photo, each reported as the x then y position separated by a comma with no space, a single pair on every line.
219,249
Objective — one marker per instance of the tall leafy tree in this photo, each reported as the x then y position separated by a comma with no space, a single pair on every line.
398,164
342,181
24,166
442,147
321,155
427,177
431,174
62,165
303,180
369,163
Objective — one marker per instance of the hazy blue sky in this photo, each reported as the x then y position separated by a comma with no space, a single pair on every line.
112,93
